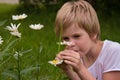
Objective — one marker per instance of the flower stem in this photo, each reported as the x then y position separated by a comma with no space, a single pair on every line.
19,76
38,61
59,46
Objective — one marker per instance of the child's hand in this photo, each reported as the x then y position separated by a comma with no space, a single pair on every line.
70,58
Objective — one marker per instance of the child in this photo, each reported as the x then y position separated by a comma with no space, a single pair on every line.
87,58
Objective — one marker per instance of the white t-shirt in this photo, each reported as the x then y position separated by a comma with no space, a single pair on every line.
108,60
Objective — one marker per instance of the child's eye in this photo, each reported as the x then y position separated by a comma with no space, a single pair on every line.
65,39
76,36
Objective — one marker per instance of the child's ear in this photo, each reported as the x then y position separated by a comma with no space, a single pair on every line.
94,37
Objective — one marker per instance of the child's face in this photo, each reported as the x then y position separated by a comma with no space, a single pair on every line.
81,41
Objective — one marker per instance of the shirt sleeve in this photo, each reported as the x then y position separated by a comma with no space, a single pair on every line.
112,60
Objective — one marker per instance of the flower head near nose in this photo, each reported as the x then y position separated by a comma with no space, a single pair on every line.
65,43
55,62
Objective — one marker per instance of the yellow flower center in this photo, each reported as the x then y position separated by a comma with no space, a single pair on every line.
55,61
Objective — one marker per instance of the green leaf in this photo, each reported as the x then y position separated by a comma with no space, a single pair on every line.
4,51
9,46
10,74
40,49
3,22
23,52
3,62
28,70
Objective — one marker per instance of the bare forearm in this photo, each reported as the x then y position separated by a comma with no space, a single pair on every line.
84,74
72,75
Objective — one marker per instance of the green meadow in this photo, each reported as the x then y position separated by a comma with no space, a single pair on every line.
39,46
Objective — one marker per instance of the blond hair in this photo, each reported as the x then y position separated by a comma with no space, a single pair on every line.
80,13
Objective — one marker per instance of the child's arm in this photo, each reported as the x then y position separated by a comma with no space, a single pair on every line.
72,75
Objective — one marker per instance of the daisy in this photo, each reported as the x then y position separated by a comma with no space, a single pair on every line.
14,29
18,17
36,26
55,62
16,55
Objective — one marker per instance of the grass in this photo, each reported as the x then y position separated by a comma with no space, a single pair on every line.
45,38
109,26
32,40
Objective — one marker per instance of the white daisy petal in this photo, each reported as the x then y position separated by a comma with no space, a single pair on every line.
16,33
18,25
15,17
9,28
